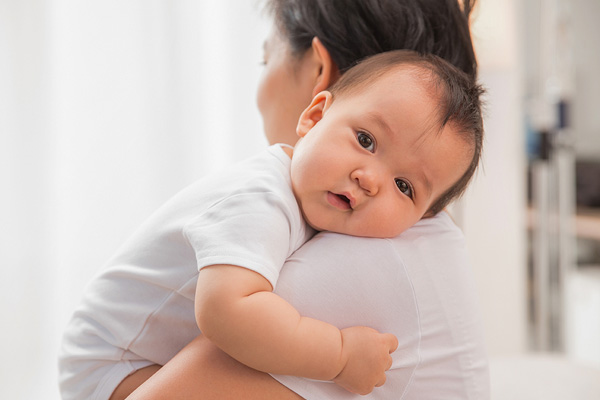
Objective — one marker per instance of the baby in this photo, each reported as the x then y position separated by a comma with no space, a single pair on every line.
395,140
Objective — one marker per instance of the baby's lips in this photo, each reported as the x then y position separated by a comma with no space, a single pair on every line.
349,198
339,201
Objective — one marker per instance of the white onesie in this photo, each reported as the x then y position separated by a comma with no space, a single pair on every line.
140,310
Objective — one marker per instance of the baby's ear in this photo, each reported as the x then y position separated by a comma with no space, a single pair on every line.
314,112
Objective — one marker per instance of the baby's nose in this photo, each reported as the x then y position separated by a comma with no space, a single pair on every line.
367,179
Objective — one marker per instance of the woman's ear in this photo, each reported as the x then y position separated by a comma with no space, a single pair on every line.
329,72
313,113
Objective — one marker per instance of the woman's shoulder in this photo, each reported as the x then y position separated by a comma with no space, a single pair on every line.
429,241
440,227
440,223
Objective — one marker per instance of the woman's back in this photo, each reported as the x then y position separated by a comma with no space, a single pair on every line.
417,286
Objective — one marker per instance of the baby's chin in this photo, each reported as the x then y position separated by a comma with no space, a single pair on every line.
371,232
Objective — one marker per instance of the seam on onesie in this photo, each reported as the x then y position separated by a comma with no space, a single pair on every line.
108,383
124,365
154,311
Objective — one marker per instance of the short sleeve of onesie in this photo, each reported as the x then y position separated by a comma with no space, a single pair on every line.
250,230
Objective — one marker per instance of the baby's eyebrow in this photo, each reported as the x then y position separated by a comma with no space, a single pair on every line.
379,120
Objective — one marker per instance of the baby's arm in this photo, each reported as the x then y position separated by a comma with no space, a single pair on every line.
236,309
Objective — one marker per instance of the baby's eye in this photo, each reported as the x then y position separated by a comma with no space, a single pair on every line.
404,187
366,141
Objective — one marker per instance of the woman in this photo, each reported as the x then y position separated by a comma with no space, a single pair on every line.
416,286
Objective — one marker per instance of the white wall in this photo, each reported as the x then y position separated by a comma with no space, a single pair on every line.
493,208
107,108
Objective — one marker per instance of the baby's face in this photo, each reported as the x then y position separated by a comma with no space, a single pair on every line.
371,163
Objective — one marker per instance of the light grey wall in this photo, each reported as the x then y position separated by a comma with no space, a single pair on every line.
492,211
572,58
586,100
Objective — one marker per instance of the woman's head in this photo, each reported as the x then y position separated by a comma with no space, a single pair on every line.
314,41
354,29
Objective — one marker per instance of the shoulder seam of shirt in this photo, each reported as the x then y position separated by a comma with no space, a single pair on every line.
412,375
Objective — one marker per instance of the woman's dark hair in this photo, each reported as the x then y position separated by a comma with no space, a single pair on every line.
352,30
457,94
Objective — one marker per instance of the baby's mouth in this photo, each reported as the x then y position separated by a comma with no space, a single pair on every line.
339,201
346,199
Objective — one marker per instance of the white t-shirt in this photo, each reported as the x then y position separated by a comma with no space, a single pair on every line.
417,286
140,310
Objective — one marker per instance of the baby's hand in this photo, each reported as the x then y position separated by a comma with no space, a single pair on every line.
367,355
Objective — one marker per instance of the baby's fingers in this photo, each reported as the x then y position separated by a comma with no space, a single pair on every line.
381,381
391,341
392,344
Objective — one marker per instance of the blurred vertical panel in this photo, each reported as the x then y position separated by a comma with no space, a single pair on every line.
494,206
107,109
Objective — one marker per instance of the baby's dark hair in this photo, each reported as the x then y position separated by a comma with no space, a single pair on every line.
458,96
352,30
